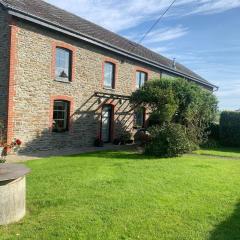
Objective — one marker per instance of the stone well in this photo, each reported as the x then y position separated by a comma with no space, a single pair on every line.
12,192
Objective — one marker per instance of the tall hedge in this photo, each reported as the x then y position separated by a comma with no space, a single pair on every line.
230,129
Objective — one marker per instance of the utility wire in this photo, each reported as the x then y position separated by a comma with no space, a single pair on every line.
157,21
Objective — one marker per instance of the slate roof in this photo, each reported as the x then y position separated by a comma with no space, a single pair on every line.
53,15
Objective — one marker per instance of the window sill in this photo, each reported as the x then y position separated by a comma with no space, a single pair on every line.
60,132
109,89
62,81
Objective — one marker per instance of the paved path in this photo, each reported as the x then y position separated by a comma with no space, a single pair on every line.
64,152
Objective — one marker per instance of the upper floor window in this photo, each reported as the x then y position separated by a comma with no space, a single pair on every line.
63,71
141,78
61,112
109,75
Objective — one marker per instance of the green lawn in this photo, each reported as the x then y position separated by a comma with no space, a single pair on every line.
122,195
220,152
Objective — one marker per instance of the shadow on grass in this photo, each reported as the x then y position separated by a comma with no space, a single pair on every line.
229,229
127,155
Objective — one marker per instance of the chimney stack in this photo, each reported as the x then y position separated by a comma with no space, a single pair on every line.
174,63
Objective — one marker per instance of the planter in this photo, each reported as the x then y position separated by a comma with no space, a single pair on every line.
12,192
98,143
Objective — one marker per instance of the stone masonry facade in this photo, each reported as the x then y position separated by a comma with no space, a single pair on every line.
29,88
4,65
35,89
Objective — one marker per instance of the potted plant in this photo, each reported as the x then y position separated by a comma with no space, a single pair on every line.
117,141
125,138
98,142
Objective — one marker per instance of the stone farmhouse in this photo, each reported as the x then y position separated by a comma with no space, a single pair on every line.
65,81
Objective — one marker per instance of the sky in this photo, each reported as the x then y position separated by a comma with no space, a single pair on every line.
204,35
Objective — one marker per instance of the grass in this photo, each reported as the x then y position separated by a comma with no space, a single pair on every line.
123,195
220,152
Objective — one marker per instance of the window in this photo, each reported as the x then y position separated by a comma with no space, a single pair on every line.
139,118
109,75
141,78
61,113
63,70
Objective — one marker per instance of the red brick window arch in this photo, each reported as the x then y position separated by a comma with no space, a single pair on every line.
109,73
63,61
61,114
141,75
141,78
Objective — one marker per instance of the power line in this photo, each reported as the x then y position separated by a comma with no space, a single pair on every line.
157,21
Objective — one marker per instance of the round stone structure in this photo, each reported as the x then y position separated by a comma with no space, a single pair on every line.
12,192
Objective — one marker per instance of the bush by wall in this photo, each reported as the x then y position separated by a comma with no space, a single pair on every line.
230,129
169,140
214,131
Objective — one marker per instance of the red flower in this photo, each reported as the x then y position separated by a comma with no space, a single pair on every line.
18,142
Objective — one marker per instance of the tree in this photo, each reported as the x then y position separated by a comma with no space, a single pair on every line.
178,101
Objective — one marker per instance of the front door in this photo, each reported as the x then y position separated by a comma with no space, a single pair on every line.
106,123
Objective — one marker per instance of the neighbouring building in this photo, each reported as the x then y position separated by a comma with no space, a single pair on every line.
65,81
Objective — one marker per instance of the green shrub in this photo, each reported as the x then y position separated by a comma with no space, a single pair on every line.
196,136
154,119
125,137
210,144
142,138
170,140
98,142
178,101
230,129
214,131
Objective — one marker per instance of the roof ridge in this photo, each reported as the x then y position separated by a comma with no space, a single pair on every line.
105,29
58,19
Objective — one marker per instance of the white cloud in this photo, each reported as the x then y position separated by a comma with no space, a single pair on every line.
159,35
166,34
113,15
121,15
209,7
229,95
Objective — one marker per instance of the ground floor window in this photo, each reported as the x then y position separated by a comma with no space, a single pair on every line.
139,118
61,111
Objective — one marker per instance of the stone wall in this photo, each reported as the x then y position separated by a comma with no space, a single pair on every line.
35,87
4,65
